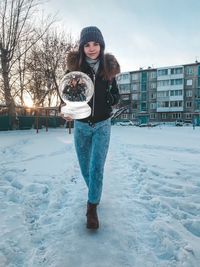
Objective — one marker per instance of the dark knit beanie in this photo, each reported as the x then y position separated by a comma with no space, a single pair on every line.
91,34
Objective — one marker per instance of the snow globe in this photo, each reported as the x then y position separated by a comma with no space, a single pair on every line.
76,89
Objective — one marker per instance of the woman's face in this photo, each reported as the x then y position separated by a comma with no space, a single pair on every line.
92,50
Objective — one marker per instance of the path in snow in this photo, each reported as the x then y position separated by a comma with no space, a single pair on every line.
150,209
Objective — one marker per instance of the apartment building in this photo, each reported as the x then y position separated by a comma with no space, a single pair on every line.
161,95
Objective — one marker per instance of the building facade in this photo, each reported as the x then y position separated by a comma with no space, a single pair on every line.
161,95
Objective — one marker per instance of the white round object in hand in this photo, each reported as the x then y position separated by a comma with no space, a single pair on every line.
76,89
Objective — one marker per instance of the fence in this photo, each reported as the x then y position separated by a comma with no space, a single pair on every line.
29,118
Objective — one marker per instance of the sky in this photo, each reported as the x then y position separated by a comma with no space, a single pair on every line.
143,33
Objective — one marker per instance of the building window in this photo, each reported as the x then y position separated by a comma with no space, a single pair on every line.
163,83
163,104
176,81
188,115
153,85
134,96
124,88
153,105
143,96
133,116
176,116
124,97
135,76
197,93
188,93
163,115
188,104
189,82
143,106
153,95
176,104
135,86
197,106
144,76
125,76
162,72
153,115
163,94
144,87
153,75
134,105
124,116
166,104
189,70
176,92
177,71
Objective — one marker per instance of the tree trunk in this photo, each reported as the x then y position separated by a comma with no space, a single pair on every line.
7,93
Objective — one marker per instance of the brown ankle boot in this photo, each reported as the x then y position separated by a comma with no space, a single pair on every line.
92,218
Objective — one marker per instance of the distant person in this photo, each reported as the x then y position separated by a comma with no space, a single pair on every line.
193,123
92,134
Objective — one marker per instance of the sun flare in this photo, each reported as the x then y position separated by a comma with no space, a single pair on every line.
28,101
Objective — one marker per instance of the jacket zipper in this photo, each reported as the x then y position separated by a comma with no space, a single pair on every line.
94,79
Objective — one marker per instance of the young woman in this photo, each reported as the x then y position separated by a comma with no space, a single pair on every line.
92,134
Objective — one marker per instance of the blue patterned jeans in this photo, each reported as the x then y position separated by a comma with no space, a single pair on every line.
91,143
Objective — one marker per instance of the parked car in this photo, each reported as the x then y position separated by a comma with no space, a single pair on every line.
179,122
187,123
150,124
125,123
143,125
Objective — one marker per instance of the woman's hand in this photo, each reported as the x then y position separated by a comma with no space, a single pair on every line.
67,118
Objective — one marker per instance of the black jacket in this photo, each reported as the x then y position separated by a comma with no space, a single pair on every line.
106,93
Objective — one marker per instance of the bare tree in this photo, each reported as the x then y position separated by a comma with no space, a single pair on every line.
14,26
21,79
47,65
36,87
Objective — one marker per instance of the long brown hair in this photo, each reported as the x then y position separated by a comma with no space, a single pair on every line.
108,69
103,72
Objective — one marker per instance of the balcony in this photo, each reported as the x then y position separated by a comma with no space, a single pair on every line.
169,109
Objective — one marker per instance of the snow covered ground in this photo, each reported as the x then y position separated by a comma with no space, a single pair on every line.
150,209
